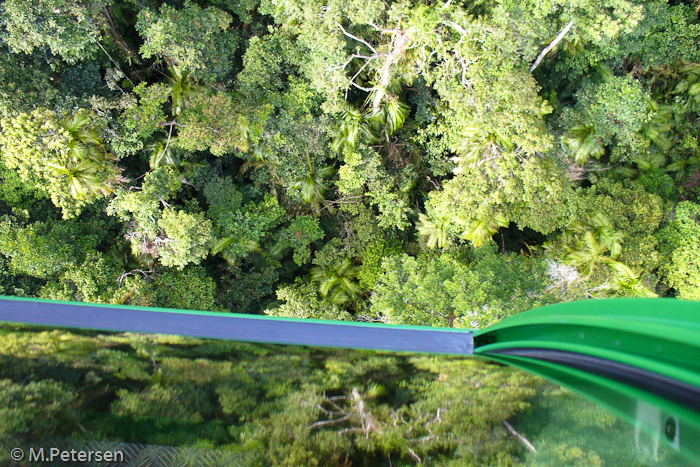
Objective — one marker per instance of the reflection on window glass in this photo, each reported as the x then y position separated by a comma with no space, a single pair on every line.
571,431
210,402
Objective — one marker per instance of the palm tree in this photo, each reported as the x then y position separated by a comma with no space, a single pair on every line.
87,163
391,116
232,255
313,185
354,128
82,177
649,162
183,88
656,129
585,146
337,282
477,145
480,232
436,231
587,254
628,283
84,141
605,233
588,243
683,165
162,152
594,242
562,246
358,126
691,85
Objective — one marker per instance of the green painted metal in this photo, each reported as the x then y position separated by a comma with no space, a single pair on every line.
659,336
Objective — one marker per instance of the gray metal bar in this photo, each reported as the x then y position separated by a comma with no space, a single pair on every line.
238,327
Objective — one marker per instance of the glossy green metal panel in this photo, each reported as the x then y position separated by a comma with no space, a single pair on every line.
658,335
656,339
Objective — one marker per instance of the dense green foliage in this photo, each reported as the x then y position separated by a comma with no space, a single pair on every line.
400,161
292,406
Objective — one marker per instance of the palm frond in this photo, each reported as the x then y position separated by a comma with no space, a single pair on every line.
480,231
162,152
436,231
584,146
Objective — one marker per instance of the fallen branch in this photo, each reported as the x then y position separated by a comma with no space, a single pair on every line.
170,134
520,437
115,64
551,46
357,39
328,422
413,454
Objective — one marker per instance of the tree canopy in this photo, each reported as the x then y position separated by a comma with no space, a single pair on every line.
441,163
325,147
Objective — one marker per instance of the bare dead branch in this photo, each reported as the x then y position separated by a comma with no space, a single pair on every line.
413,454
357,39
171,123
146,274
551,46
329,412
421,440
328,422
400,41
384,30
170,134
362,88
165,203
457,27
115,64
335,406
352,80
352,57
346,430
520,437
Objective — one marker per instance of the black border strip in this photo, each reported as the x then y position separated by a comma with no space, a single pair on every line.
663,386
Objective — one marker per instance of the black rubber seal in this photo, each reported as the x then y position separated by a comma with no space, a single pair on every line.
660,385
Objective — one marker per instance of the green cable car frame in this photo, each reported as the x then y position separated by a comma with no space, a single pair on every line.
639,358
